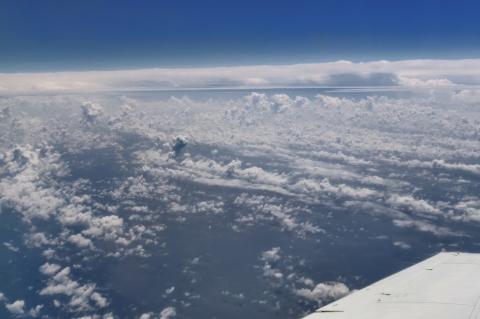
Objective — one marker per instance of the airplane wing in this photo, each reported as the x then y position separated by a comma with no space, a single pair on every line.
444,286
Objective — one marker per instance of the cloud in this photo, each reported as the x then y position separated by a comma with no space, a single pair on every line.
269,209
467,96
469,208
411,73
81,296
16,308
49,269
418,83
271,258
272,254
416,205
11,247
310,186
212,207
168,313
426,227
274,163
99,300
179,143
323,292
35,312
91,111
80,241
402,245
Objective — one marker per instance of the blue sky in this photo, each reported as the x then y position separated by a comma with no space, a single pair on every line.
82,35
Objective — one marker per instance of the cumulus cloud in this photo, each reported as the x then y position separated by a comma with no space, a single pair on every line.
323,292
179,143
16,308
469,208
49,269
272,254
80,241
91,111
408,202
214,207
270,258
99,300
24,167
35,312
168,313
82,297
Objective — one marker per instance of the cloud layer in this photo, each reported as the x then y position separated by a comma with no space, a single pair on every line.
277,195
407,73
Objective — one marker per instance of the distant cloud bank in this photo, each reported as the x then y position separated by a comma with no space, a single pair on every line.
406,73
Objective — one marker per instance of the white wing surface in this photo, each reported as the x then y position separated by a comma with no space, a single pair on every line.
444,286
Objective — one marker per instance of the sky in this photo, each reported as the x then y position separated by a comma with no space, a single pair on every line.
42,36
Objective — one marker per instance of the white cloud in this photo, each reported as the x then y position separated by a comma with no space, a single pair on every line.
168,313
266,208
430,83
99,299
35,312
423,73
272,254
49,269
38,240
80,241
16,307
469,208
470,168
108,226
426,227
26,165
212,207
61,283
48,253
11,247
402,245
310,186
416,205
271,272
270,257
323,292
